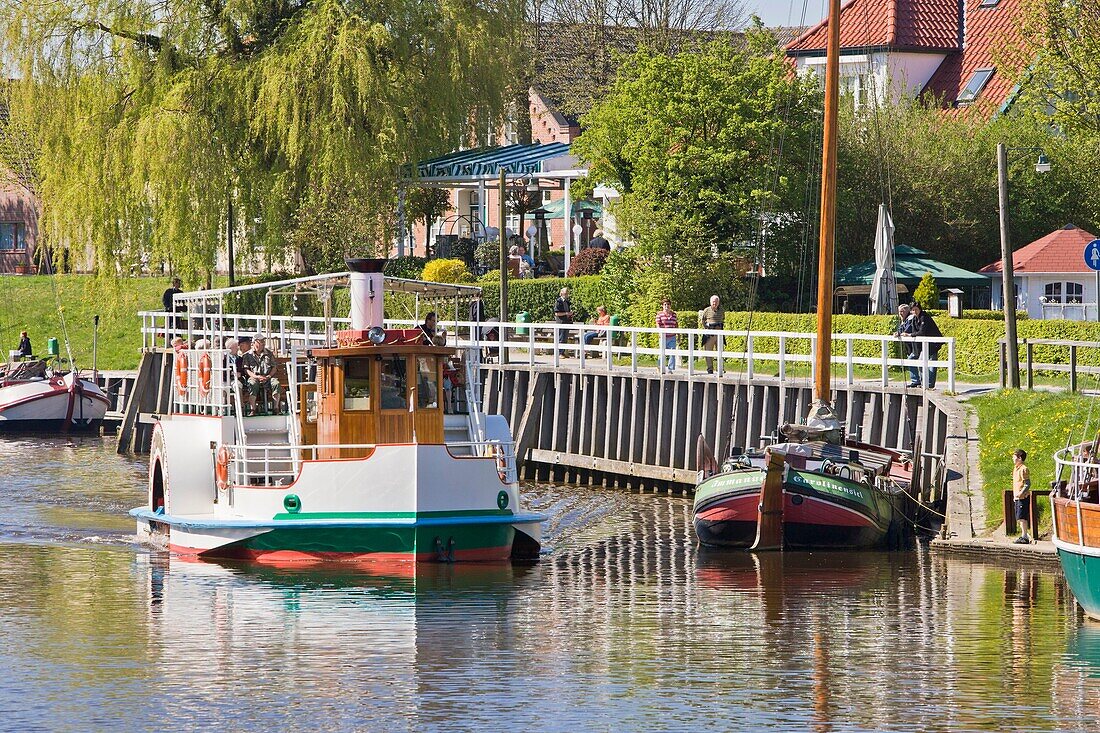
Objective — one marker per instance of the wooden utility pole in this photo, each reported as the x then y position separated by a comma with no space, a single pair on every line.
822,359
1012,350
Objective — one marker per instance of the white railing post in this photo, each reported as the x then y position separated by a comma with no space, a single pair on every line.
750,366
924,365
885,376
721,347
660,353
557,345
813,361
782,357
580,349
609,345
691,354
633,352
851,366
951,364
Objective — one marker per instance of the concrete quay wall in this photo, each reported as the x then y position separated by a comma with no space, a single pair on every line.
639,431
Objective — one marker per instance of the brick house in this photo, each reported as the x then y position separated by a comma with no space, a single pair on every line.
944,49
18,229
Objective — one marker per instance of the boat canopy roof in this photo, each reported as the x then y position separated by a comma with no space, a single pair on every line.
326,283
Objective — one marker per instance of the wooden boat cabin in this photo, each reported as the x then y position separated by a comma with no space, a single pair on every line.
389,392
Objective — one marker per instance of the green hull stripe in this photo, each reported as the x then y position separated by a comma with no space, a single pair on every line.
381,539
394,515
1083,575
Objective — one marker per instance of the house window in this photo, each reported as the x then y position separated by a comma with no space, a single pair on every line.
1053,292
858,86
11,237
974,87
475,213
989,3
1074,292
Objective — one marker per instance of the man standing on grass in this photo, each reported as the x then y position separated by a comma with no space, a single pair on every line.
1021,493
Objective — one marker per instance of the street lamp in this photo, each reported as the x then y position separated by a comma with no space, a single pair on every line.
1012,356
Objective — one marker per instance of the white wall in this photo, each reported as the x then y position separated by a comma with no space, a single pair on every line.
1030,288
894,74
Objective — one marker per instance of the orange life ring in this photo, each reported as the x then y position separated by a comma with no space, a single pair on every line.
204,375
181,374
221,468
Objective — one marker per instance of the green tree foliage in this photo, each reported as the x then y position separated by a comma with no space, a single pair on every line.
927,294
426,204
150,116
691,142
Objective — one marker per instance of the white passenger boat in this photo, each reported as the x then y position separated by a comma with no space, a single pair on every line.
34,397
367,466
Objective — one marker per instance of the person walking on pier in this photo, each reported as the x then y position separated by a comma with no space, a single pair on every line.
712,318
1021,494
666,319
563,311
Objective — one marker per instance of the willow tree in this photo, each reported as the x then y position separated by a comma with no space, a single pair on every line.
155,118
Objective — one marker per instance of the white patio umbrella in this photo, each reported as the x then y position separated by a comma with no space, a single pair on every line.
884,288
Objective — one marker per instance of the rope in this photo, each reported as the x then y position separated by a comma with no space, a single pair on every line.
60,311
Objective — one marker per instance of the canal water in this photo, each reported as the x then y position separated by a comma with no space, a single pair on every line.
624,625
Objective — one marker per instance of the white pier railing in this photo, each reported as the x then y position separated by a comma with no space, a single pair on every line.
863,357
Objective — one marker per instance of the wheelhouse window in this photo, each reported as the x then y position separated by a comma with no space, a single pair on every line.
395,384
357,384
427,383
974,87
11,237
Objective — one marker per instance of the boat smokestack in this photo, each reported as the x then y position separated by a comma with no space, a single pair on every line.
367,283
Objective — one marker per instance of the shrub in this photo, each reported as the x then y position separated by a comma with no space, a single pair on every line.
589,261
409,267
464,249
926,293
492,276
487,253
447,271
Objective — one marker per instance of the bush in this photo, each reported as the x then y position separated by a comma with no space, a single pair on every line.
926,293
409,268
492,276
589,261
447,271
620,278
487,253
464,249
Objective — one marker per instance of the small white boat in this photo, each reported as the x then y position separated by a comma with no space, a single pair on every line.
33,398
367,466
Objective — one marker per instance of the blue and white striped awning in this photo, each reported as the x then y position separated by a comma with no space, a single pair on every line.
486,163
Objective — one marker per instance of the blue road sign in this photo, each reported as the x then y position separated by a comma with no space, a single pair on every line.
1092,254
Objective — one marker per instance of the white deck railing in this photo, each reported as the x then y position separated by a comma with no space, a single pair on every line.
629,348
278,464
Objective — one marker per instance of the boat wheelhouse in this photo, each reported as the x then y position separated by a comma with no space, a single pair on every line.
382,455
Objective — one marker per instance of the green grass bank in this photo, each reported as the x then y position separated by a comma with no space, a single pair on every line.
28,302
1039,422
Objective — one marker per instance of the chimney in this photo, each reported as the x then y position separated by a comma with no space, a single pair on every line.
367,283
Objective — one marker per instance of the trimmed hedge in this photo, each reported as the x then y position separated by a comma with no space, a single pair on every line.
537,297
976,349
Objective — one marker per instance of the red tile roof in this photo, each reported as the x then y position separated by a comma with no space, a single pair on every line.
913,25
1062,250
933,26
989,32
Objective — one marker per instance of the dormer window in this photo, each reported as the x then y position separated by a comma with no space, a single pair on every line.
974,87
989,3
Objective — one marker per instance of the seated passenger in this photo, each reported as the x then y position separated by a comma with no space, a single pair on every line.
259,365
1082,483
431,335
